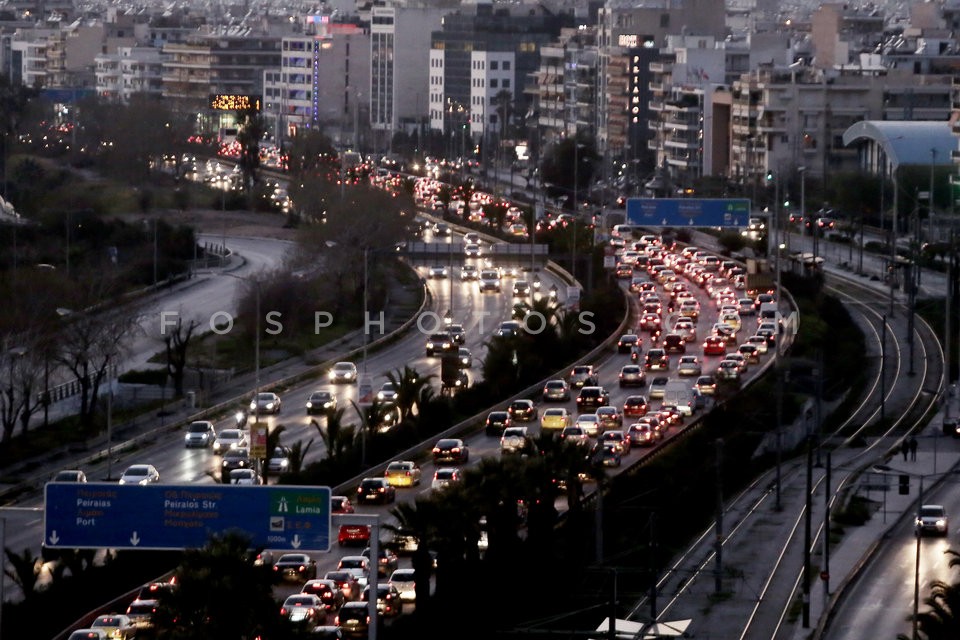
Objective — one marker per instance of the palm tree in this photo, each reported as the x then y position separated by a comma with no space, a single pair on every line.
504,108
298,452
418,519
941,621
408,384
338,437
273,441
221,593
24,570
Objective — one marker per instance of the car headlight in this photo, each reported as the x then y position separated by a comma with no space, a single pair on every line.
327,405
253,406
332,375
310,405
941,523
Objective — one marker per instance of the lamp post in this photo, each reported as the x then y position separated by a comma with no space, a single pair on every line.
256,346
803,200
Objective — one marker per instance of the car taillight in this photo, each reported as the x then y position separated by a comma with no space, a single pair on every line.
408,474
436,449
455,450
283,611
382,489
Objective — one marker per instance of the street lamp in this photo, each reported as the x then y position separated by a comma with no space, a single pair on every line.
256,347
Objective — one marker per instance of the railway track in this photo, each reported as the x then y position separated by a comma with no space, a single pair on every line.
762,591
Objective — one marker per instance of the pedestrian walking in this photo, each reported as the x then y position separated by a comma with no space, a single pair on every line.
913,449
904,449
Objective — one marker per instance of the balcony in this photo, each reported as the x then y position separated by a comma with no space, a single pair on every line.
661,67
687,145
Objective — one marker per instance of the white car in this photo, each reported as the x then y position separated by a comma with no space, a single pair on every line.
590,423
387,393
140,474
265,402
343,372
200,434
760,343
438,271
445,476
229,439
403,581
245,477
471,251
689,366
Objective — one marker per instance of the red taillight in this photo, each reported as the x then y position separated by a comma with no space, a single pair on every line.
436,449
455,450
336,620
283,611
409,474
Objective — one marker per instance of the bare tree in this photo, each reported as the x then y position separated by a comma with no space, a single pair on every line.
177,342
91,343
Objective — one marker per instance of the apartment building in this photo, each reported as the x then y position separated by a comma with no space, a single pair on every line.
323,81
129,71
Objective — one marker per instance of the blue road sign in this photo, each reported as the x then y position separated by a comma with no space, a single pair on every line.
108,515
688,212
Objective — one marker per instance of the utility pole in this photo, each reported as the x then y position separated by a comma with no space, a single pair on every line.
946,321
826,535
883,367
718,542
779,402
808,517
653,568
914,283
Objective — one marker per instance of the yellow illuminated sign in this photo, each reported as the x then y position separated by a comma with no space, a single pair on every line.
234,102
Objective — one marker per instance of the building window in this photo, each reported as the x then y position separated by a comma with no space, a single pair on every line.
493,83
506,65
494,65
506,83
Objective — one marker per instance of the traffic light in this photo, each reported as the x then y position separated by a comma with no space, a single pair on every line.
786,202
904,484
769,176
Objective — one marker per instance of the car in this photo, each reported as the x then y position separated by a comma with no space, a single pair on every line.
689,366
200,433
627,342
740,359
635,406
451,450
674,343
439,342
304,608
576,435
441,229
244,477
387,392
690,308
444,477
388,599
265,402
687,329
610,455
346,582
353,619
489,281
641,434
469,272
714,346
769,332
497,422
403,580
514,440
359,566
295,566
471,237
387,560
623,270
116,626
141,612
745,307
610,417
732,319
583,375
706,385
658,386
656,360
465,358
932,518
402,473
234,459
592,396
521,289
88,634
750,353
556,391
341,504
279,460
508,329
229,439
760,343
471,250
523,411
589,422
327,632
650,322
329,592
616,437
555,418
140,474
70,475
437,271
321,403
343,372
724,331
457,333
375,491
728,370
632,375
